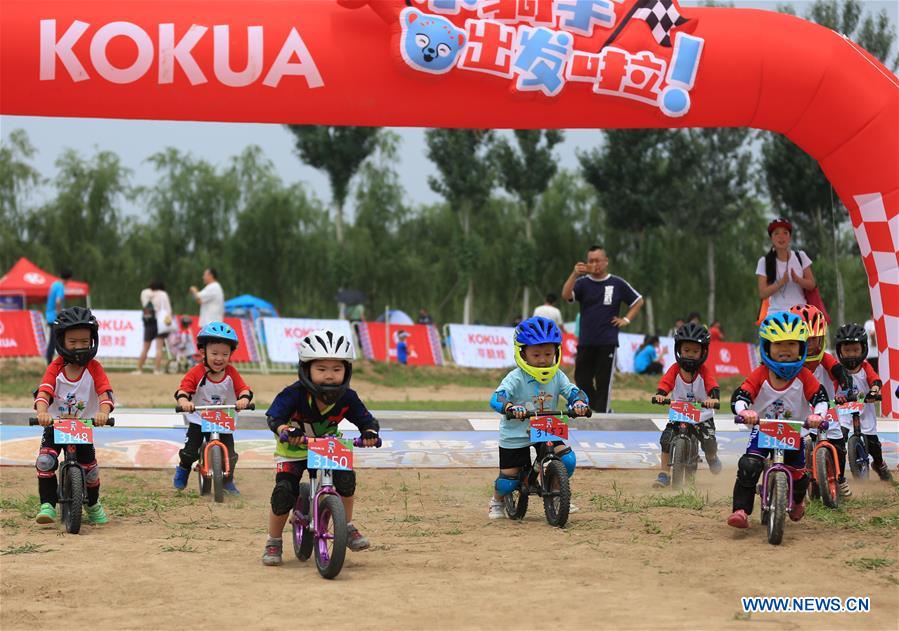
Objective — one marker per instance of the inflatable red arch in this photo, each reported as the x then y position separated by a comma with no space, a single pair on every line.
482,63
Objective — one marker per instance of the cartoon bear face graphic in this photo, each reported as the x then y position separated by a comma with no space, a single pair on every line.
429,43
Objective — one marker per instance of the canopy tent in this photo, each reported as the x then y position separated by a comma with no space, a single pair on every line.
396,317
247,305
27,279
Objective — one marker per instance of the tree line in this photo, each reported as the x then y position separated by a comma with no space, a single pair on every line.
682,214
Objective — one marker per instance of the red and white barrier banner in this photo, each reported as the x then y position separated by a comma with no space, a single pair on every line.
482,346
21,334
122,335
569,348
422,342
732,359
282,336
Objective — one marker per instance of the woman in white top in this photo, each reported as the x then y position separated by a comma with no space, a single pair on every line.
157,323
784,275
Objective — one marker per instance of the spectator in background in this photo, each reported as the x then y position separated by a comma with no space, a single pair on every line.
550,311
600,295
873,356
424,317
783,275
356,313
695,318
211,299
402,347
646,361
157,318
56,301
677,324
716,332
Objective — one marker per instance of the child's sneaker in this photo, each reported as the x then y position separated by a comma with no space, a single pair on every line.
662,481
355,540
738,519
798,511
573,508
272,554
181,477
96,514
47,514
884,472
495,509
231,488
715,465
845,491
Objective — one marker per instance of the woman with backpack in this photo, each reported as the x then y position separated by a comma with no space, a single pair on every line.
157,319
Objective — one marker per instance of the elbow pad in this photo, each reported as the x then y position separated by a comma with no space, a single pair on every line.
273,423
740,395
715,393
842,377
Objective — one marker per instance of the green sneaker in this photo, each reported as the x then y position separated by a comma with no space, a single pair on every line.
96,514
47,514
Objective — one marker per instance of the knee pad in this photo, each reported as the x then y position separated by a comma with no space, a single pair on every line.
46,463
92,474
345,483
568,459
665,439
506,484
748,470
283,498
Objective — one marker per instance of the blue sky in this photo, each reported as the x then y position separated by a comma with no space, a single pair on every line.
135,140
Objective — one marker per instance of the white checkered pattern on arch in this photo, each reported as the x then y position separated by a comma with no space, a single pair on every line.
877,230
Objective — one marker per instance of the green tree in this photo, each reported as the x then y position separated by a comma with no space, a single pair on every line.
526,171
18,179
465,179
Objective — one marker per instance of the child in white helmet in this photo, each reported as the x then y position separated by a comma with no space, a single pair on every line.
313,406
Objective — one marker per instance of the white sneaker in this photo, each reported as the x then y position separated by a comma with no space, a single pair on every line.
573,508
845,491
495,510
137,372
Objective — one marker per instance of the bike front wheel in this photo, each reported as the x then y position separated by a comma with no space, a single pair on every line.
556,493
777,506
302,526
217,464
826,475
680,456
857,457
330,536
72,498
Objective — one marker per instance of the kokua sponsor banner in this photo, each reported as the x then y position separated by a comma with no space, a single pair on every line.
21,334
482,346
121,333
732,359
422,343
284,335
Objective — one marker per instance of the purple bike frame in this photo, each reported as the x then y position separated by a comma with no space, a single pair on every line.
764,485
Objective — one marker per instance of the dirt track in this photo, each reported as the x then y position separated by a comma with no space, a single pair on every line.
437,562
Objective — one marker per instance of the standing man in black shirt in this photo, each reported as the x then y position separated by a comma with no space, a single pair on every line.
601,295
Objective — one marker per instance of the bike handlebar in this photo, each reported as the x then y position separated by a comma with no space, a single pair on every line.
110,421
200,408
357,442
853,395
652,400
567,413
823,425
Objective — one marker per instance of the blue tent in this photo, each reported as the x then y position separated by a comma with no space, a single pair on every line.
397,317
248,305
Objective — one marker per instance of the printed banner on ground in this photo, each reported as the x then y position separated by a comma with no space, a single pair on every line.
422,343
282,336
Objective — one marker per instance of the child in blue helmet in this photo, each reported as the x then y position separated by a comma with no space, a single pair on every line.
535,385
782,387
214,382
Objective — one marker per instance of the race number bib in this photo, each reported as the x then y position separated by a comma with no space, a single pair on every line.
71,431
777,434
850,407
684,412
330,453
548,428
221,421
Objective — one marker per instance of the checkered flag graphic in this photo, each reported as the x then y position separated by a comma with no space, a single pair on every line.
661,16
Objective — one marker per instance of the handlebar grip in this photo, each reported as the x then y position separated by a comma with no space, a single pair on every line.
357,442
663,402
567,413
32,421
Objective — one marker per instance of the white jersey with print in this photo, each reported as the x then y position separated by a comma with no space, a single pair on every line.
868,417
696,391
205,391
75,398
824,378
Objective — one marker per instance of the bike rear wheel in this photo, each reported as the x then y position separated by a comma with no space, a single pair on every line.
217,464
330,536
680,456
777,500
302,526
556,493
826,475
857,455
73,498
